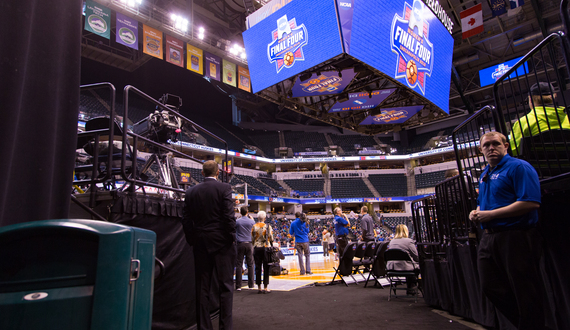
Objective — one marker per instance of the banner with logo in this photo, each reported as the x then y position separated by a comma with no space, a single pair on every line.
174,51
362,100
405,40
213,65
243,79
490,75
329,82
229,73
98,19
294,38
152,41
345,14
392,116
127,31
194,59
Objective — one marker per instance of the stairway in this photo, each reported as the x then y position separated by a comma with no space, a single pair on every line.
284,185
371,187
328,138
282,140
412,190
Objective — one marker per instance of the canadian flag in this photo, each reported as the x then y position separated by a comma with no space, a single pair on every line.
472,21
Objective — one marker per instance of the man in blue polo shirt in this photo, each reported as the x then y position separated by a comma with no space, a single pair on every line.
300,229
341,225
511,246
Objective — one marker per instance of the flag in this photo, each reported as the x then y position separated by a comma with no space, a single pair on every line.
516,3
498,7
472,21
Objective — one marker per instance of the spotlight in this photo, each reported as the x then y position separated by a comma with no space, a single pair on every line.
243,56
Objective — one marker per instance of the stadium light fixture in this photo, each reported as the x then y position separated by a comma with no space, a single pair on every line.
180,23
132,3
201,33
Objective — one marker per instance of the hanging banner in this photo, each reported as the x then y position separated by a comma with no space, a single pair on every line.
194,57
152,42
127,31
328,82
243,79
392,116
362,100
98,19
213,66
229,73
174,51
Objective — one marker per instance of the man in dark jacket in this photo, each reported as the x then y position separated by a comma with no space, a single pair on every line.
210,227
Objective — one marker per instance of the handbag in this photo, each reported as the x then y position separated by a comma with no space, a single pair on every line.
270,251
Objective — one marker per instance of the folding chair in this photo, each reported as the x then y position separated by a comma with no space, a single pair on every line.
398,277
345,264
378,265
359,259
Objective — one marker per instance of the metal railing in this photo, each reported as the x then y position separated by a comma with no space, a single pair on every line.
538,127
427,228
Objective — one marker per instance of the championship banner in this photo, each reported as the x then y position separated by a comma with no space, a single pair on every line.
229,73
152,41
392,116
127,31
345,12
362,100
194,57
98,19
329,82
243,79
213,66
174,51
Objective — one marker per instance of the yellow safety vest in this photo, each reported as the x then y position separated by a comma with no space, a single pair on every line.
527,125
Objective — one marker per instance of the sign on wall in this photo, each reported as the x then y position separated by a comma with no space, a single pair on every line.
127,31
194,59
152,41
98,19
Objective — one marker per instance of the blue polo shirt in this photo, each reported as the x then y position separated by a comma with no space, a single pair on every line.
339,225
510,181
300,231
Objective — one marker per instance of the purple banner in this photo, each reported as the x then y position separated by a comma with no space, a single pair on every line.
127,31
330,82
213,66
362,100
345,12
392,115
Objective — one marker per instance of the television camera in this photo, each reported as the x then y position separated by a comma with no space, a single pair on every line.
162,125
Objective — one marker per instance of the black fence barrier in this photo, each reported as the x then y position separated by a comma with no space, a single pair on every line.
532,103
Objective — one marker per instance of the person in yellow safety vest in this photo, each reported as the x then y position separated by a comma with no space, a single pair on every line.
542,117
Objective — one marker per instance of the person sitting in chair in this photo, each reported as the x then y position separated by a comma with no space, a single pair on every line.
543,116
402,242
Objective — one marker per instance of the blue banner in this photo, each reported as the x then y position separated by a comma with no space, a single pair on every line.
491,74
330,82
345,12
300,35
392,116
406,41
362,100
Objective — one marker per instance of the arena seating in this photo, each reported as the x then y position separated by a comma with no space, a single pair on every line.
266,141
270,182
349,187
300,141
253,183
306,185
389,184
348,141
427,180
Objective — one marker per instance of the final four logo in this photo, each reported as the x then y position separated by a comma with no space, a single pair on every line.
288,42
409,39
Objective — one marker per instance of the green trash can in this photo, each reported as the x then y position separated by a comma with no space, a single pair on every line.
76,274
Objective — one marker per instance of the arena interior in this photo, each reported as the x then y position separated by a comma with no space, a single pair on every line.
350,110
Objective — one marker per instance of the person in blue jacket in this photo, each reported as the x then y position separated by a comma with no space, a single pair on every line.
300,229
341,225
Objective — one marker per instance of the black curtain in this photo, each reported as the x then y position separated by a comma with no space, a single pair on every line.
39,82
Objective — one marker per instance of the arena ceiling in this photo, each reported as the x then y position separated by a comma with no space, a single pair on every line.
505,37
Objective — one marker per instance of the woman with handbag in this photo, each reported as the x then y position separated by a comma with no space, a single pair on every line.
262,240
